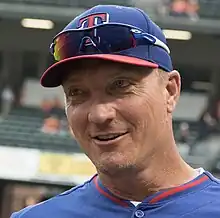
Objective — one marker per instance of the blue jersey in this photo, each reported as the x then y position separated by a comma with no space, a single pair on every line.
199,198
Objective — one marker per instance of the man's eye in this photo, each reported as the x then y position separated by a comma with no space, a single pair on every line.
75,92
121,83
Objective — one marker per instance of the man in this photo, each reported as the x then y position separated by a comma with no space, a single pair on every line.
7,99
120,92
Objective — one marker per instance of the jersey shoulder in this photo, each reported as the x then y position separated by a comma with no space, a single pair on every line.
202,202
68,201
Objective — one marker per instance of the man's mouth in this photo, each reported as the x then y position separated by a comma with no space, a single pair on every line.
109,137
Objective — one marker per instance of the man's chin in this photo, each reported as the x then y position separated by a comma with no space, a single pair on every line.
115,167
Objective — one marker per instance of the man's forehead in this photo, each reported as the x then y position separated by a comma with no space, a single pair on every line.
95,64
88,68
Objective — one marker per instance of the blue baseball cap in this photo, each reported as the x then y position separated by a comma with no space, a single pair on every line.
150,46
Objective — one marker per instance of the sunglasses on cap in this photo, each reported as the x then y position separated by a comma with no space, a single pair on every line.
105,39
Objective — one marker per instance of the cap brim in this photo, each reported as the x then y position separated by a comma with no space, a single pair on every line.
52,77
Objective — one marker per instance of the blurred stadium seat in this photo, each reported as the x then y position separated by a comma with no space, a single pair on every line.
23,128
209,9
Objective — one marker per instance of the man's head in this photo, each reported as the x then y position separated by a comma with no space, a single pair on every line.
119,86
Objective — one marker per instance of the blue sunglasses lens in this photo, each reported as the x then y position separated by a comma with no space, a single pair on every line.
103,39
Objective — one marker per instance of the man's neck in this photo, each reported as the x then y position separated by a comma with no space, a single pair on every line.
136,186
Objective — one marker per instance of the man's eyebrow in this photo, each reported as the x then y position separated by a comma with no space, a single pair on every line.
134,72
73,78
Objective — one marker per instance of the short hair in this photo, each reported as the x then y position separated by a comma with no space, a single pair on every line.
162,74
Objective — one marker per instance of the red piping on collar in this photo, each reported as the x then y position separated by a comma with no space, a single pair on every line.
114,199
177,189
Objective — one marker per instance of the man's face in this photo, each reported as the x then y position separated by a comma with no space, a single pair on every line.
119,114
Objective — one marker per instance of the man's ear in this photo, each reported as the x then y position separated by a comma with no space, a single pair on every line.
173,90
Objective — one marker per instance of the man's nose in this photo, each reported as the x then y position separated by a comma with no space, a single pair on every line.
101,113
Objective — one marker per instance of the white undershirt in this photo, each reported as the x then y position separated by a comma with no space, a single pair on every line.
199,170
135,203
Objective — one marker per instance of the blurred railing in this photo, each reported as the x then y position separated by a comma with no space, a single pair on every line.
67,3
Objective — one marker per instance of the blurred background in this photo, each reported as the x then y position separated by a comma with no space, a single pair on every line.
38,157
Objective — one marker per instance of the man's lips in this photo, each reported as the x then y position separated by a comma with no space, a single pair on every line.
108,136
